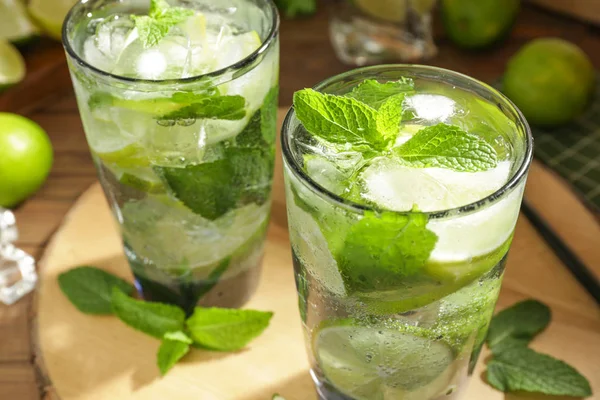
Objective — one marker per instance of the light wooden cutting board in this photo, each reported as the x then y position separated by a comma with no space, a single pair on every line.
99,358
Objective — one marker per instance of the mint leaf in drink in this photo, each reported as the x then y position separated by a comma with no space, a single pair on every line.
152,28
173,347
215,107
268,115
90,289
154,319
522,369
339,120
522,321
200,187
374,94
390,116
448,146
248,172
382,249
226,329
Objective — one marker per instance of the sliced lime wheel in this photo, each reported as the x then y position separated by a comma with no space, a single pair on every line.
50,14
391,362
15,25
144,180
12,65
129,156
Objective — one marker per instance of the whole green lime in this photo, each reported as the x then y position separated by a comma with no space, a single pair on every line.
478,23
25,158
550,80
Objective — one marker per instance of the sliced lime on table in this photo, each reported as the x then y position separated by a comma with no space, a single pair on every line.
50,14
12,65
371,362
15,25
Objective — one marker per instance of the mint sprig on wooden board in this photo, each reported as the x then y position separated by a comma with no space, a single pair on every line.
95,291
515,367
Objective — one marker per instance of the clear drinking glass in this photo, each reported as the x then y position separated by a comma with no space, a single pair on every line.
183,138
373,332
378,31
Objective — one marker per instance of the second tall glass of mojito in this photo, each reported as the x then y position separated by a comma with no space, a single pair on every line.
179,101
403,187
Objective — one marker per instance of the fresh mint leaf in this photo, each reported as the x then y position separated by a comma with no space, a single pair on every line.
339,120
173,347
508,344
247,171
523,321
522,369
268,115
150,31
382,249
293,8
215,107
154,319
374,94
200,187
277,397
390,116
226,329
448,146
90,289
152,28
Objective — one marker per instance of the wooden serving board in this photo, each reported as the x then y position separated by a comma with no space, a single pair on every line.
99,358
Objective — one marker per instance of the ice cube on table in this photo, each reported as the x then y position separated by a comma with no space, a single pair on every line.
17,274
17,268
8,227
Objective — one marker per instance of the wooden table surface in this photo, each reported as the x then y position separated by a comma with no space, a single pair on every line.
306,58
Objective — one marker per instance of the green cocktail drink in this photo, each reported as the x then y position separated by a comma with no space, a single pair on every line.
403,188
179,105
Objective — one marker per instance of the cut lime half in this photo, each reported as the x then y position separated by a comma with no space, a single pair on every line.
50,14
12,65
384,363
15,25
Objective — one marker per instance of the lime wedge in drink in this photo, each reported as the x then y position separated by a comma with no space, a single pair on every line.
15,25
394,362
143,179
12,65
50,14
129,156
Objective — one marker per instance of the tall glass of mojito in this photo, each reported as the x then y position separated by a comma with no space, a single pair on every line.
178,102
403,188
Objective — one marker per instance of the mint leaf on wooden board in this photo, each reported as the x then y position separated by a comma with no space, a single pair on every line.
154,319
226,329
523,321
522,369
382,249
389,116
173,347
448,146
152,28
339,120
90,289
374,94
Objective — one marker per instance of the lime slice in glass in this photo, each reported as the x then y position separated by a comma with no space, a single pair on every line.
50,14
15,25
129,156
392,362
143,179
12,65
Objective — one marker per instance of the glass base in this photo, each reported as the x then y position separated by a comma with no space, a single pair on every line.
232,292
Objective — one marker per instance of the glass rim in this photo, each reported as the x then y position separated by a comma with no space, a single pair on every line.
239,65
466,209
